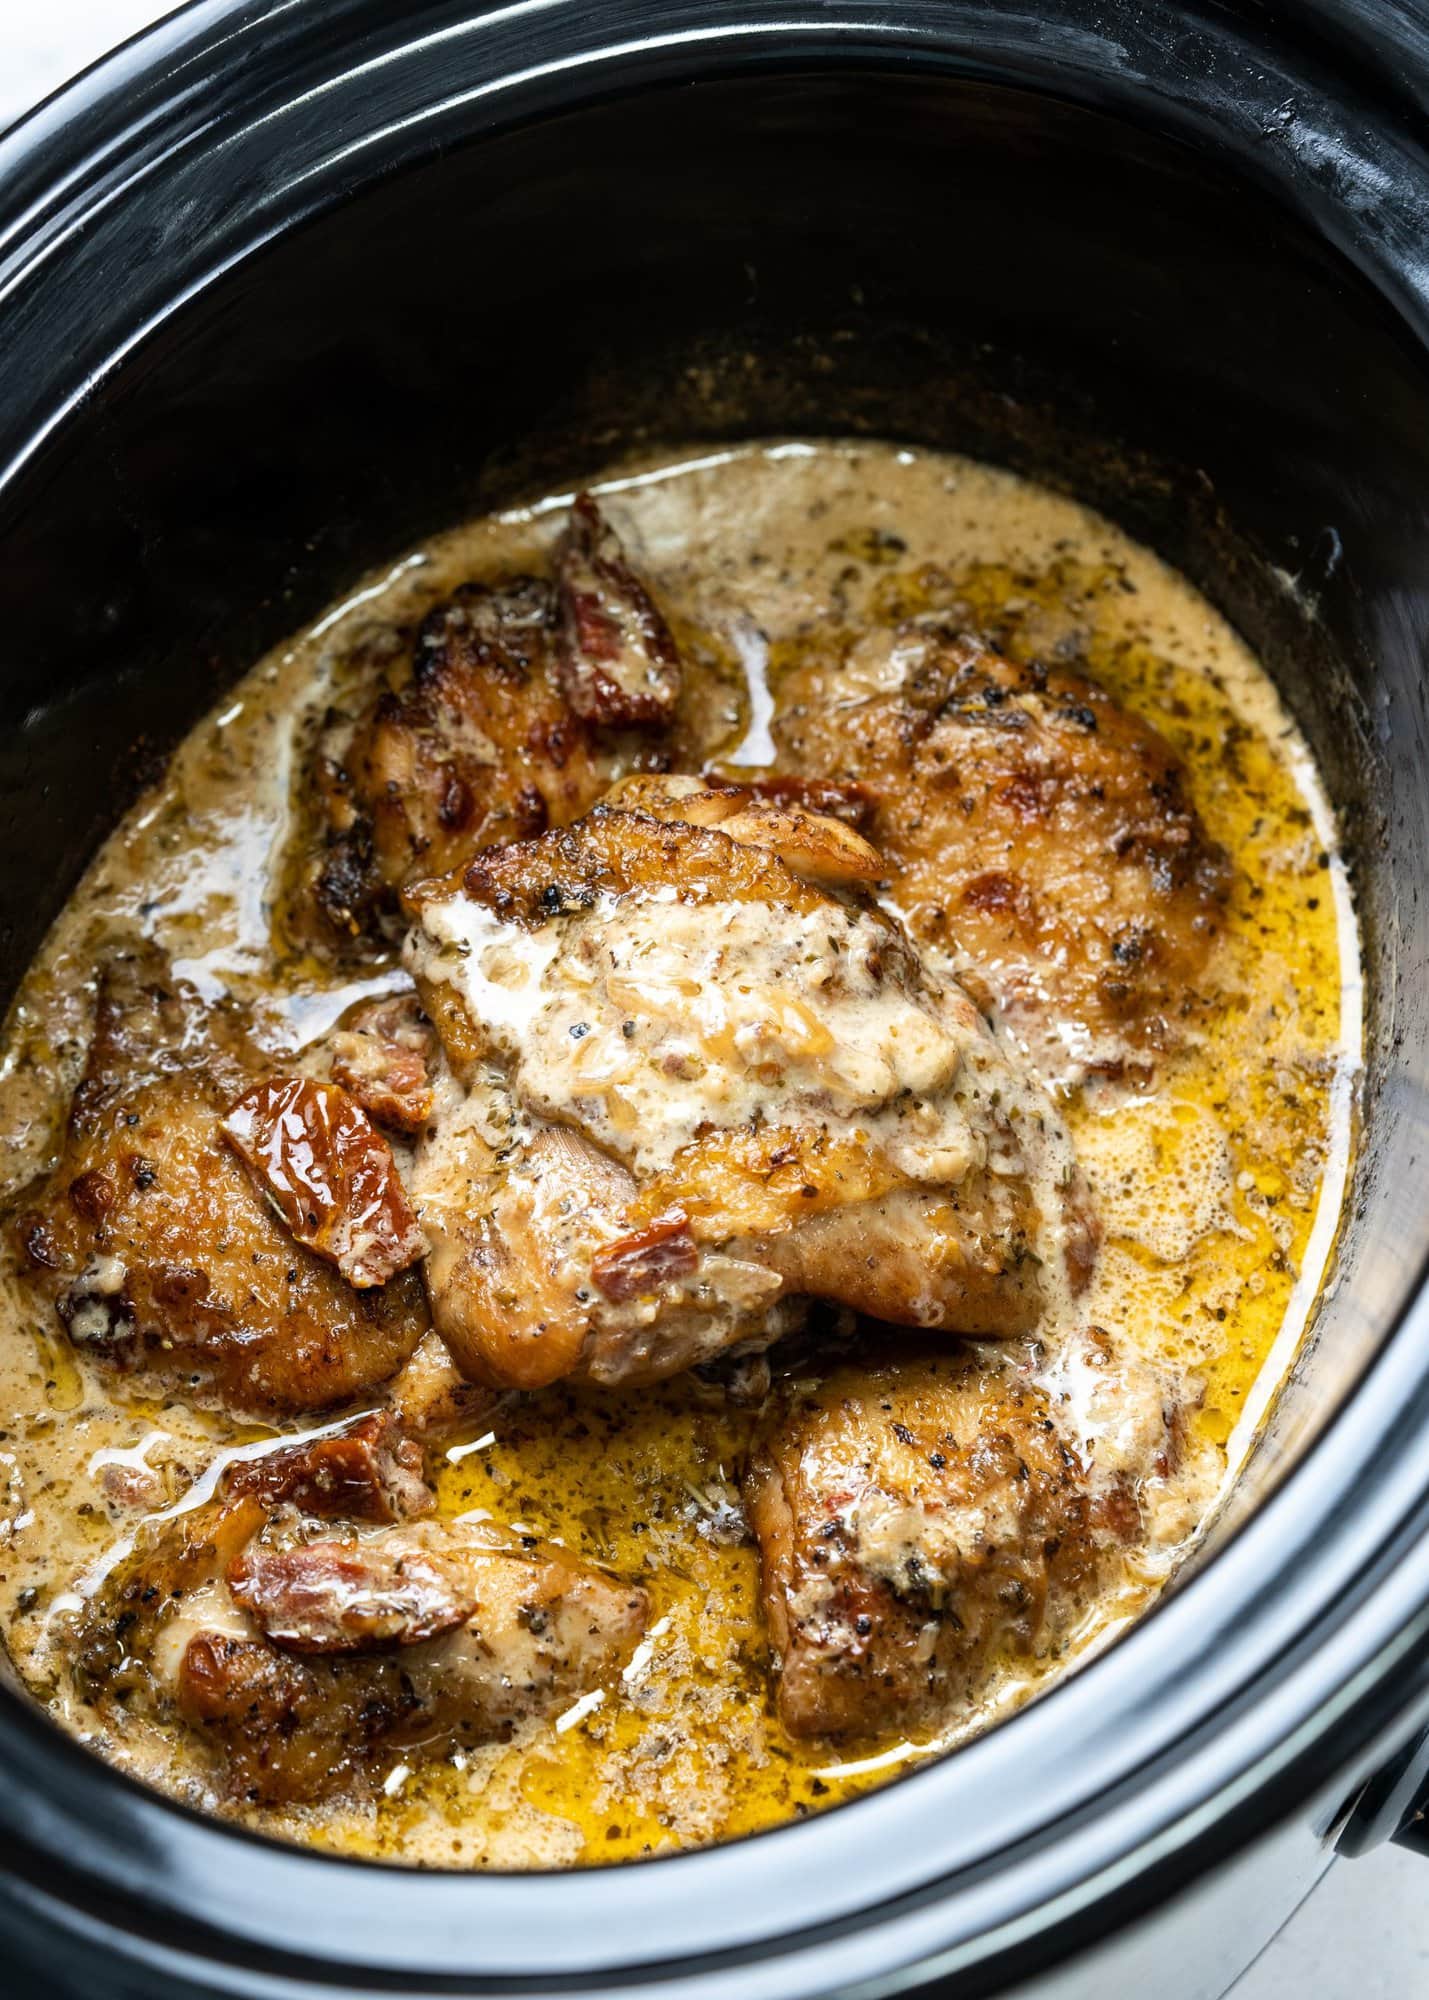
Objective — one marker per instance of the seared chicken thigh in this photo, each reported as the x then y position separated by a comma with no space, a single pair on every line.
1032,826
923,1517
158,1249
689,1085
298,1650
517,706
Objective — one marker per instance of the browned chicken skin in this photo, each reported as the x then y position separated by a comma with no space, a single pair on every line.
810,834
514,712
299,1650
920,1518
477,745
1030,823
691,1085
158,1250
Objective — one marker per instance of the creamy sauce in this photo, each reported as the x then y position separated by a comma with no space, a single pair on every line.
900,1065
1219,1185
709,1009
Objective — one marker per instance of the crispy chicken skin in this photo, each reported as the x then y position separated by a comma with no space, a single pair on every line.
689,1084
298,1650
477,744
809,835
157,1248
1031,825
512,713
922,1516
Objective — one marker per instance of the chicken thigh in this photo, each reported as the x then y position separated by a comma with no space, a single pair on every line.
156,1246
690,1085
1033,827
518,704
298,1647
924,1517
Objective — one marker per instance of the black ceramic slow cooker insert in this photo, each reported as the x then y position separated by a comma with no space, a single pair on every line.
284,288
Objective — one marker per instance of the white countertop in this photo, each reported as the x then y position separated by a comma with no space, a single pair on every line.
1364,1934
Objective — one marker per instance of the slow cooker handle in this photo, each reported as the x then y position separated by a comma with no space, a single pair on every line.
1394,1804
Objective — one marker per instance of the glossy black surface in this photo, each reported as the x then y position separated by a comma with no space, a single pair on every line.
283,288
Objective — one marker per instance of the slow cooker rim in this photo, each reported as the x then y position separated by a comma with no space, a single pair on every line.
1400,1506
58,164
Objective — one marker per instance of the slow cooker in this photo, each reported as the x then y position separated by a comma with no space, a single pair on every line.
284,287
